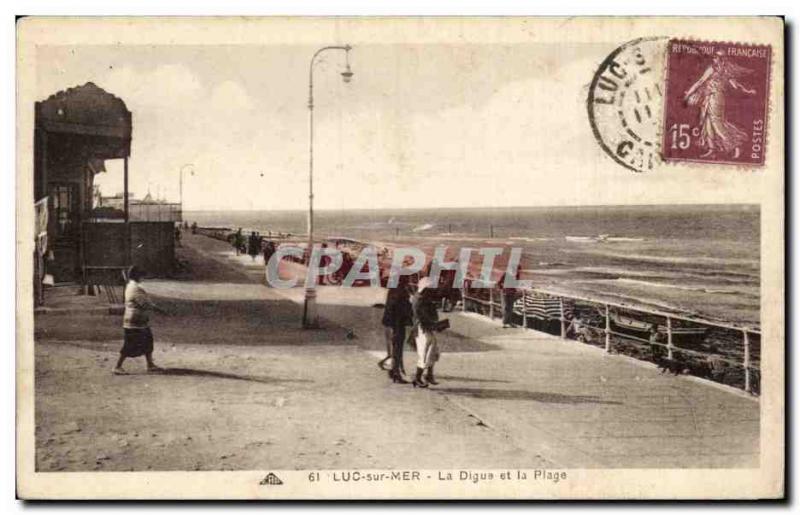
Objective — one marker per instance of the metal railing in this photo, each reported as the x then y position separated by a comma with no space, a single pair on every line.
722,352
218,233
161,212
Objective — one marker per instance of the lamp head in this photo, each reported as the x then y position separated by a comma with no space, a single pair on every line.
347,75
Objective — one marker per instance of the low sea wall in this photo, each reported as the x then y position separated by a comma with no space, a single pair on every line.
678,344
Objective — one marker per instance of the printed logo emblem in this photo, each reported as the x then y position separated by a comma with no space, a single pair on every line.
271,479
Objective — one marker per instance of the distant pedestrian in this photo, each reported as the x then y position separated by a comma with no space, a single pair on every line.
324,261
178,236
252,246
347,265
238,241
194,227
136,323
269,250
397,314
509,297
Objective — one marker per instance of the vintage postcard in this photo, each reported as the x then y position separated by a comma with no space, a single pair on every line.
400,258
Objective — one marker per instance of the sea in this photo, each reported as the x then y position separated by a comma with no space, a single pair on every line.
700,260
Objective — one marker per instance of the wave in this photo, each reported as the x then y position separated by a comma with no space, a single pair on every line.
423,227
622,298
746,312
602,238
645,258
542,271
582,239
684,287
552,263
715,276
527,238
622,238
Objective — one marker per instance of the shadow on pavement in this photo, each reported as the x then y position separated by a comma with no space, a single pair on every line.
246,322
223,375
470,379
524,395
365,321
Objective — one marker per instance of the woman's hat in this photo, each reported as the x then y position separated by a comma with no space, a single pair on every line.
135,273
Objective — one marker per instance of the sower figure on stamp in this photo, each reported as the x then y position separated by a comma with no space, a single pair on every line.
397,315
426,318
717,133
136,323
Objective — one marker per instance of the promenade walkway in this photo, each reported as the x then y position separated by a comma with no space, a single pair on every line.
247,389
570,402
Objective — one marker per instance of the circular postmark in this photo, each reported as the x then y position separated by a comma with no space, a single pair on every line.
625,103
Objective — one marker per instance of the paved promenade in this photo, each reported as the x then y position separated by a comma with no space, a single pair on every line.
568,401
258,392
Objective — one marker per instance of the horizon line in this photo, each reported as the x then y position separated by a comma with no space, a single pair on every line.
582,206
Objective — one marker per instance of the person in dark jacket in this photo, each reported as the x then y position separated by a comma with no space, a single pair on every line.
252,246
426,317
397,314
238,241
269,250
509,296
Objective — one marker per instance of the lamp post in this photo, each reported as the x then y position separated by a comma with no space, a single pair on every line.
180,183
310,319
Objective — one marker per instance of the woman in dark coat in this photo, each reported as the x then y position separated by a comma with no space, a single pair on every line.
252,246
397,314
238,241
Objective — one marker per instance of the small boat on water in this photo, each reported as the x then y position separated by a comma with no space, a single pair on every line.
640,328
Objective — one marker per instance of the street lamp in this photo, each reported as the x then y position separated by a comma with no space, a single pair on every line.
180,182
310,319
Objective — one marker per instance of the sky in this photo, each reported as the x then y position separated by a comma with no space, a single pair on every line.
435,125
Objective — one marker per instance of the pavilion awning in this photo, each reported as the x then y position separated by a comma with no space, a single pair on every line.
91,112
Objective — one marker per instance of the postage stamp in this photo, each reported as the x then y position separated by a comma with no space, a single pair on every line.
624,103
715,108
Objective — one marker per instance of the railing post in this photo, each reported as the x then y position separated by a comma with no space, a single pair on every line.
491,303
747,386
669,338
608,329
563,320
463,299
524,309
503,305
